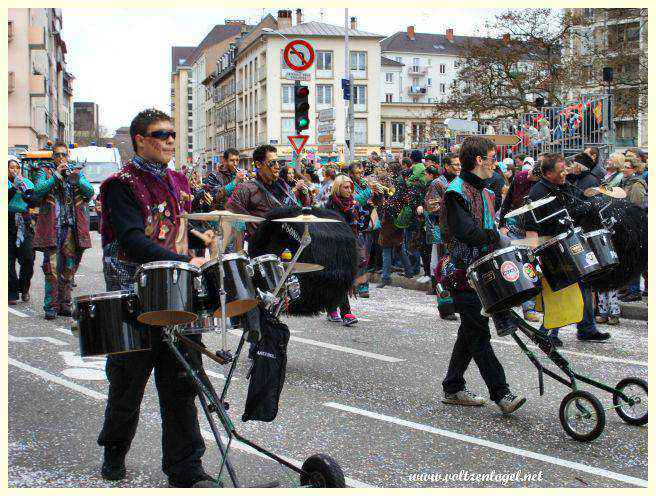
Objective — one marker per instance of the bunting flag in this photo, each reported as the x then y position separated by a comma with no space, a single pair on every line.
598,112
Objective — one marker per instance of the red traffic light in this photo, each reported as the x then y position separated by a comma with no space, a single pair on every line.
302,91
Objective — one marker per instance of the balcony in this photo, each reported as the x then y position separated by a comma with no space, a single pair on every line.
240,86
10,30
37,85
261,73
240,114
261,106
11,81
417,70
417,90
36,37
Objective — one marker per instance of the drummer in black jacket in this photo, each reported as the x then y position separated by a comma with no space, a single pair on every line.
471,233
553,183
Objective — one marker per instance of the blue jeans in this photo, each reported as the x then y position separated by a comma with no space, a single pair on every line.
413,256
587,325
633,288
387,263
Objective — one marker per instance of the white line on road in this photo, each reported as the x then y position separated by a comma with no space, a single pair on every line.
27,339
58,380
352,351
215,374
16,312
64,330
491,444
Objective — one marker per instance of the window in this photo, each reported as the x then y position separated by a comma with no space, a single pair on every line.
389,77
324,94
398,132
389,97
360,96
360,131
325,61
418,131
382,133
430,81
287,91
442,88
442,68
358,61
456,64
287,127
415,61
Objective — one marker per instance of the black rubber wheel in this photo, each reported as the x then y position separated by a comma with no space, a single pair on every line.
322,471
636,389
582,416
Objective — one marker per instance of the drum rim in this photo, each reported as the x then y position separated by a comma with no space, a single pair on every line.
167,264
266,258
596,232
226,256
104,296
557,238
490,256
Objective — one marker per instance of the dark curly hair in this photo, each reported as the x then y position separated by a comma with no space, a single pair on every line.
144,119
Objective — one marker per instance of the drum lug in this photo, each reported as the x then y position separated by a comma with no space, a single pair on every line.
201,290
92,311
142,280
130,306
250,270
175,277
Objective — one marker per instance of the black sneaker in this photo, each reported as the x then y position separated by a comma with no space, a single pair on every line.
451,317
113,467
64,313
199,481
50,315
631,297
594,336
555,341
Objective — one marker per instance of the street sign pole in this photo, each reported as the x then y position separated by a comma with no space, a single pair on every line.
347,75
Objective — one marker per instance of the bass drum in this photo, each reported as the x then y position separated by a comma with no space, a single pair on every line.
504,279
567,259
107,324
602,246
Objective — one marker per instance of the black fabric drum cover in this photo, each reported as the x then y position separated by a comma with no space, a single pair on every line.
333,246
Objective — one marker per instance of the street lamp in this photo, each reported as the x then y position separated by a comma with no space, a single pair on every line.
270,30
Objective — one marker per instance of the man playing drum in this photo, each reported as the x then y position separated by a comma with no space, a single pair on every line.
141,207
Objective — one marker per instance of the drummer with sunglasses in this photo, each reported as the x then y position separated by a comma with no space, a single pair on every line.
140,223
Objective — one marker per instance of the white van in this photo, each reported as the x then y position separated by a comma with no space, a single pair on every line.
98,164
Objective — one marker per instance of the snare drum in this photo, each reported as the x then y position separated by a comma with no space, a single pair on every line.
267,272
602,247
566,259
107,323
167,292
505,278
238,284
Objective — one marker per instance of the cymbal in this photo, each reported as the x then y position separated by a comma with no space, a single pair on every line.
613,192
530,242
529,206
303,267
221,214
306,218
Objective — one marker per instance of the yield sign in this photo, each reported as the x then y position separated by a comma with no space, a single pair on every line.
298,142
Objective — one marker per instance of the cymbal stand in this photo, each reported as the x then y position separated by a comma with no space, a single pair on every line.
224,353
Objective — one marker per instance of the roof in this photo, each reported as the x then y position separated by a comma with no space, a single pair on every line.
322,29
179,56
219,33
386,62
427,43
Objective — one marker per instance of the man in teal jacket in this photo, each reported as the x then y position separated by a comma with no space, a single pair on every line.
62,228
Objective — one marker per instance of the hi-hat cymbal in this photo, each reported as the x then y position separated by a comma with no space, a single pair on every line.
303,267
529,206
613,192
216,215
530,242
306,218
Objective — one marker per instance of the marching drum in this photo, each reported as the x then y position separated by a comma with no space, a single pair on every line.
238,284
504,278
107,323
268,271
602,246
167,292
567,259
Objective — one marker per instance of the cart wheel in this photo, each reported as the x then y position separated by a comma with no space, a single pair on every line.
636,390
582,416
322,471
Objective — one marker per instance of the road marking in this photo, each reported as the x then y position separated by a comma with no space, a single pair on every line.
491,444
207,434
352,351
64,330
578,353
28,339
215,374
58,380
16,312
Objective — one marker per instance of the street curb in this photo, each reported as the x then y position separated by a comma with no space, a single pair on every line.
634,310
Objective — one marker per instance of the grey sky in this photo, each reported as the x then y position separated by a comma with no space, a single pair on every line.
121,58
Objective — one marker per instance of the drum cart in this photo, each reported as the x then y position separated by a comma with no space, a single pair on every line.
581,414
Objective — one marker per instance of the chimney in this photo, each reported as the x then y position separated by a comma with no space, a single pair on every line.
411,33
354,23
506,39
299,16
449,34
284,19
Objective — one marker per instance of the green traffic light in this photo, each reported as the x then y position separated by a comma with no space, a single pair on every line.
303,122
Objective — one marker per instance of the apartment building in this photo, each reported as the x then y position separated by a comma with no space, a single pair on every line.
40,88
87,123
182,103
265,102
620,36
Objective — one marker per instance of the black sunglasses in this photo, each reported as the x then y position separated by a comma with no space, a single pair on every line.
161,135
59,154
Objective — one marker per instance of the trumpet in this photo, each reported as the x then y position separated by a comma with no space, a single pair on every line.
389,191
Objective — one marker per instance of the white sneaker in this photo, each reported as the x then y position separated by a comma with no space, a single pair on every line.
510,403
423,279
464,397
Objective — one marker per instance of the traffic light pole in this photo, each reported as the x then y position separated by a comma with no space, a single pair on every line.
349,120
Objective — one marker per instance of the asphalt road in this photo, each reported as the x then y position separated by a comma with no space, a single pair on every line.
369,396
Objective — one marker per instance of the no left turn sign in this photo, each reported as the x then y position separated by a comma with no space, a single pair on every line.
299,55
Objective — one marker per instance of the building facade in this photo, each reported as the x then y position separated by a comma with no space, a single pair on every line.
87,126
615,38
181,103
40,88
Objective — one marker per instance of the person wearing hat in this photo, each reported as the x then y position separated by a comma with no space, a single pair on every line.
528,164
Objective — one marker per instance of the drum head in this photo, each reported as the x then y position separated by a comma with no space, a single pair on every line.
238,307
163,318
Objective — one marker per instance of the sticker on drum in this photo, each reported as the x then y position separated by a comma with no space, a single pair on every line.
529,272
576,249
509,271
488,277
590,259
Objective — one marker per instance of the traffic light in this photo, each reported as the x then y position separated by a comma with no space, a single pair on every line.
301,107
